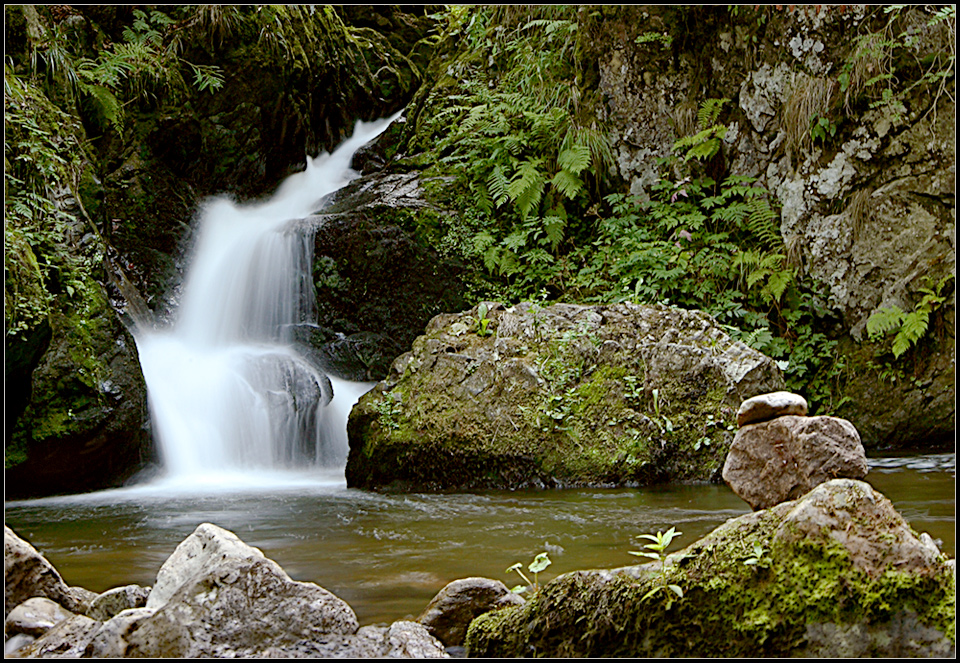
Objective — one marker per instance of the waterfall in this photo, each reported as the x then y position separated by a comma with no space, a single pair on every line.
231,398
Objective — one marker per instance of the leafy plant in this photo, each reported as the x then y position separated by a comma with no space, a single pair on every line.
656,551
538,565
483,322
758,554
910,326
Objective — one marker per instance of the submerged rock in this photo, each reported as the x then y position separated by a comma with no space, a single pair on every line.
554,396
781,459
835,573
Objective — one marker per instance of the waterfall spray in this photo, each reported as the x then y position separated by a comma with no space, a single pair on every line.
231,398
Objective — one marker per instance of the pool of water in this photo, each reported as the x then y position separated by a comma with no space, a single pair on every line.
387,555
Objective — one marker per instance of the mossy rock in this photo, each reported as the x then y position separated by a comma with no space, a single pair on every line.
838,573
556,396
85,425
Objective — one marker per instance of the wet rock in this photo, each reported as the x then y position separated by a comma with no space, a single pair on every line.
379,278
836,573
116,600
555,396
781,459
34,617
68,639
769,406
86,425
28,574
450,612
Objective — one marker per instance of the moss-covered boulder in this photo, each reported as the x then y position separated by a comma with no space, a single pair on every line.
556,396
86,423
838,573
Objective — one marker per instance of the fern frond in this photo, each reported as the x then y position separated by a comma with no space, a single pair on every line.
567,183
526,187
554,226
884,320
574,158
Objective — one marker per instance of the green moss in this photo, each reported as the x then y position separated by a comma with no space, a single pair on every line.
729,609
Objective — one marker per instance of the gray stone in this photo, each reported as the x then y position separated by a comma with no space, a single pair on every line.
784,458
116,600
27,574
450,612
35,616
769,406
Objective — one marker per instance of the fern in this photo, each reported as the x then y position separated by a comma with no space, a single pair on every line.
526,187
567,183
883,321
575,158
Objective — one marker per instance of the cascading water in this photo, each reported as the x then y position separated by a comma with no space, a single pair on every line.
232,400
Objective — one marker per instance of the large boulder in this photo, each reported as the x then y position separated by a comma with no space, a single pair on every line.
556,396
86,425
837,573
784,458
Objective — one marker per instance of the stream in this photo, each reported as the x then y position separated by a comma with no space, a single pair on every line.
387,555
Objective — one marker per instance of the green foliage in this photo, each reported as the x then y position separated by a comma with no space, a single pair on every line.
888,65
518,137
483,322
704,144
538,565
910,326
655,550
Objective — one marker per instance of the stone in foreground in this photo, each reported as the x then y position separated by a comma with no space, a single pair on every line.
838,573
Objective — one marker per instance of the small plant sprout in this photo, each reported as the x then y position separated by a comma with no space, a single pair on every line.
659,544
483,321
757,554
539,563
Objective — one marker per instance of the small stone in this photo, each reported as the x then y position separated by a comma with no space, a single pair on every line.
35,616
770,406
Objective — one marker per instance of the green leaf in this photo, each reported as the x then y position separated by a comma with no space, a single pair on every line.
575,158
567,183
884,320
540,562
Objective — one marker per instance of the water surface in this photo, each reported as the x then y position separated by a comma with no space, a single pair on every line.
388,554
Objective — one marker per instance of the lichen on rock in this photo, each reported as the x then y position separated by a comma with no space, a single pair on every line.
556,396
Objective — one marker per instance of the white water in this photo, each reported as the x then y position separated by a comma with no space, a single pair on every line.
233,403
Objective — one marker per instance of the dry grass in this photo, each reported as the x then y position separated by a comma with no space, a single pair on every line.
811,98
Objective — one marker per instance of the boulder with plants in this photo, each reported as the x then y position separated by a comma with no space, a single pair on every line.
556,395
836,573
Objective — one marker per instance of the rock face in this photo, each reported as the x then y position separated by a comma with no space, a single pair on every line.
450,612
217,597
87,425
813,577
868,213
562,395
377,283
784,458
